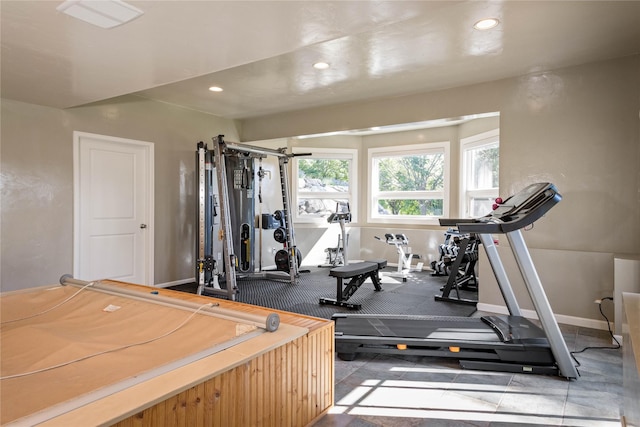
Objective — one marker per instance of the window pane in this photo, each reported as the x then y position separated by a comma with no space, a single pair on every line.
321,208
484,167
413,207
480,206
418,172
321,175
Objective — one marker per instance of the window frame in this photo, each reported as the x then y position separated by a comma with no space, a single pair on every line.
324,154
484,139
403,150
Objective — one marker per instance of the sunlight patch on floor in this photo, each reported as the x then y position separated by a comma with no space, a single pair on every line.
457,401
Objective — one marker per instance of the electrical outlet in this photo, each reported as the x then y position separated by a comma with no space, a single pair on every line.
598,301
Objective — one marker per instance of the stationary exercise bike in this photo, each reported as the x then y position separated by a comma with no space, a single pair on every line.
405,256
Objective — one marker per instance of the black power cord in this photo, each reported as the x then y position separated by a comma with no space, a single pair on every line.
615,347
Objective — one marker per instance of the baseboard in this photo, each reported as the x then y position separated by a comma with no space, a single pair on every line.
560,318
175,283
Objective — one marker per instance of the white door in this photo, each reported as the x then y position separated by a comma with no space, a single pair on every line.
113,203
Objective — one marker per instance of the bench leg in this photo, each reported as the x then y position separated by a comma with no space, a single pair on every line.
342,296
375,278
353,286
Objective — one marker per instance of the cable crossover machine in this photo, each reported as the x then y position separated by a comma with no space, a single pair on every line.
226,218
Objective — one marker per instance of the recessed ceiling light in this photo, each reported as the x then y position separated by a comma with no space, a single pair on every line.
104,14
320,65
486,24
215,89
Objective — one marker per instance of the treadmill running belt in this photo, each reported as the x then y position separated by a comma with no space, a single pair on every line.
467,329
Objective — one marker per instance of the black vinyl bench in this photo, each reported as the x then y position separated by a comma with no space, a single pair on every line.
358,273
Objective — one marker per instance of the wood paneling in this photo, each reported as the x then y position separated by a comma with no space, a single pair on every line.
290,385
279,378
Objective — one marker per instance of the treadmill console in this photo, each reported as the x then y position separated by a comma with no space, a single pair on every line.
516,212
525,200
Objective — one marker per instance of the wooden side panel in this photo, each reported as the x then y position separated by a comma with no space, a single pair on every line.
288,386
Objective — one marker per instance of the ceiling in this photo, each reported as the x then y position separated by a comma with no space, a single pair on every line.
262,52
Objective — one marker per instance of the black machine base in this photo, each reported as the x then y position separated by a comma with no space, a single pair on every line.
345,304
502,343
465,301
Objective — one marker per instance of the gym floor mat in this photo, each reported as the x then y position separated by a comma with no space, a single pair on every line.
415,296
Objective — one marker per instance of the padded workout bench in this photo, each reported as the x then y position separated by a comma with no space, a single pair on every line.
358,273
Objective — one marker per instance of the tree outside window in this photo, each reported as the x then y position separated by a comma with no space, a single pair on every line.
324,181
408,183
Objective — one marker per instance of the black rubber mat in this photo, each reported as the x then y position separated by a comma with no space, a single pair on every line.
415,296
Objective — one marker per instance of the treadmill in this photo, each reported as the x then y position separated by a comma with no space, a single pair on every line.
508,343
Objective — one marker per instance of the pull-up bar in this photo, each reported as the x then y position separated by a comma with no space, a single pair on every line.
255,150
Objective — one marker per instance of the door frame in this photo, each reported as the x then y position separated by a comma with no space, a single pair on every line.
149,237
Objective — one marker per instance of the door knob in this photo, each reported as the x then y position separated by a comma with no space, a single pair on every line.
143,225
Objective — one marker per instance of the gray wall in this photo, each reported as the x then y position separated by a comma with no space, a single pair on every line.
37,182
577,127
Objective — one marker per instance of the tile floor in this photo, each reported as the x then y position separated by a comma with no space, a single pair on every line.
384,390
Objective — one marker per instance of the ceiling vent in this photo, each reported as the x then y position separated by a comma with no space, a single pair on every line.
102,13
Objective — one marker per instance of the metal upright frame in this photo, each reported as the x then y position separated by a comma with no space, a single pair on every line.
207,270
201,217
283,160
225,220
541,304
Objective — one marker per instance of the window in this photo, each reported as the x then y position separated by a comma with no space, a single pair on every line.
409,184
480,155
323,181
